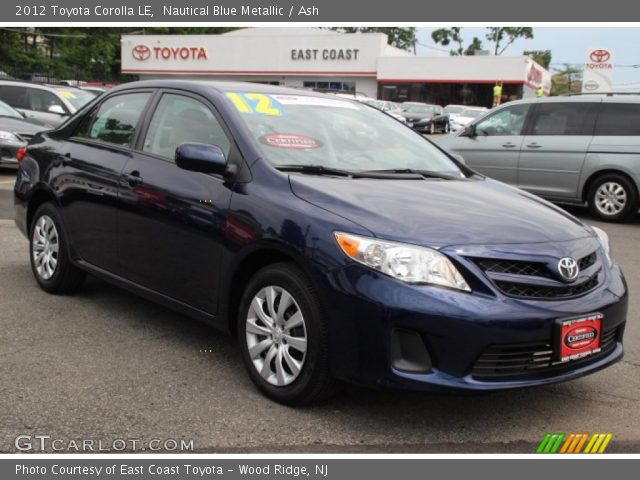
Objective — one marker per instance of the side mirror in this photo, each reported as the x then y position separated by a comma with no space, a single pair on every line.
57,109
201,157
22,114
469,131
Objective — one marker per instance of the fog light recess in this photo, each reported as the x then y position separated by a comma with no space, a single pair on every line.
408,352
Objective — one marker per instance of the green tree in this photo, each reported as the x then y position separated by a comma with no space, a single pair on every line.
543,57
567,79
453,35
403,38
502,37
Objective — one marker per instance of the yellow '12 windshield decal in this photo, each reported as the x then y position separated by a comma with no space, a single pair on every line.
255,103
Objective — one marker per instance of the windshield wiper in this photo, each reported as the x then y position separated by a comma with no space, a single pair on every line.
315,170
424,173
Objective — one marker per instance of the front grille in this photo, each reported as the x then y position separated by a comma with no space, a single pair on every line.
526,287
515,267
514,289
522,361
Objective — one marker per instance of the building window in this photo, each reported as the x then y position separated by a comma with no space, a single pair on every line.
337,86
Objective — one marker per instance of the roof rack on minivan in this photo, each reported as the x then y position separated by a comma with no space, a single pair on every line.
607,94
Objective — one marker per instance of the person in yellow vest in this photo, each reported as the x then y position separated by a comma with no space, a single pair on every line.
540,91
497,93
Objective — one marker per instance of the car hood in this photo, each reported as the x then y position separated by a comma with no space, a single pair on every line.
437,213
19,126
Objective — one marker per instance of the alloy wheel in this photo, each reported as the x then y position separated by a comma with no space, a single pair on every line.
276,336
45,247
610,198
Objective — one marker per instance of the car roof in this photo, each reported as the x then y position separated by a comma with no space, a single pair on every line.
603,98
219,87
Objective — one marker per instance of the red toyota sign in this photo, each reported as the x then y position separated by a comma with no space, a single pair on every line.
600,56
141,52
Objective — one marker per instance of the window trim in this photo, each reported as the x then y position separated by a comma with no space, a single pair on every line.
89,141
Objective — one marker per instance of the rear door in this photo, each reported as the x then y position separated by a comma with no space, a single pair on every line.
171,221
90,164
555,147
495,146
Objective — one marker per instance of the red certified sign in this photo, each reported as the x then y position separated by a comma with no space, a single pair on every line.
600,56
580,337
285,140
141,52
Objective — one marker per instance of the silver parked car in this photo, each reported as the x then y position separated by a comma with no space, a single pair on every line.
51,104
567,149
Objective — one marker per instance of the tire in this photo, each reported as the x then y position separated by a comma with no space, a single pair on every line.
432,128
447,127
49,253
613,198
278,379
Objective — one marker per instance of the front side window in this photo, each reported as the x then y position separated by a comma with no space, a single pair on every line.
42,101
560,119
179,119
302,130
115,120
15,96
618,119
507,121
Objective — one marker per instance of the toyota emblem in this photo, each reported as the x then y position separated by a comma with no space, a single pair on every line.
141,52
600,56
568,269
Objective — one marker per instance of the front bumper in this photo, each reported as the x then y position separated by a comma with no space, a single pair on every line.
456,328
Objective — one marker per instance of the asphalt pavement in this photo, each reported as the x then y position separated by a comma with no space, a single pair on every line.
104,364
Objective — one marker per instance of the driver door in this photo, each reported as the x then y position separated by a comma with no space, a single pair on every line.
494,149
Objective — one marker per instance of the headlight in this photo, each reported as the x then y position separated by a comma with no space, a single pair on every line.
409,263
604,241
9,137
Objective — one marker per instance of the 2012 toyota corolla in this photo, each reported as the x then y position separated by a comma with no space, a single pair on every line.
335,243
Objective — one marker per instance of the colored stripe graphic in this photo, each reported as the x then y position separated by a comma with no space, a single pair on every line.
574,442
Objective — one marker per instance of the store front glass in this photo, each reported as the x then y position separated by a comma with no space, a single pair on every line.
477,94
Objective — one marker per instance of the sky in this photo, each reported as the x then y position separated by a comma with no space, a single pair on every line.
567,45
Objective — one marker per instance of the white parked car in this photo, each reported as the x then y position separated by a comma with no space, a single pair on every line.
467,116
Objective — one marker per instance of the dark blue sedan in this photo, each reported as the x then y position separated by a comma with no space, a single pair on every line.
335,243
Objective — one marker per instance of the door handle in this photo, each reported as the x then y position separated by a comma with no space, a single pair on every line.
508,145
534,145
132,178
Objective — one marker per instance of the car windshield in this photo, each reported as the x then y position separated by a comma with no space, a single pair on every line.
78,98
298,130
7,111
419,109
471,113
451,109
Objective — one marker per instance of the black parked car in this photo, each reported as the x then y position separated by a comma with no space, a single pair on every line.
331,240
425,118
15,132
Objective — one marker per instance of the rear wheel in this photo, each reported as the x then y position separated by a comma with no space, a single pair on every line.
49,256
613,198
282,336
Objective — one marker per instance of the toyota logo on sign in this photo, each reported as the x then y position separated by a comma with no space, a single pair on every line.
141,52
600,56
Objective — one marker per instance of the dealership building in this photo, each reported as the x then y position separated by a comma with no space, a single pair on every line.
327,60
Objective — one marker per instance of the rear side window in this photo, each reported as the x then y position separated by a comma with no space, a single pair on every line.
179,119
618,119
115,120
561,119
15,96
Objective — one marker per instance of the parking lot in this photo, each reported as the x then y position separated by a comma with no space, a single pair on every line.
104,364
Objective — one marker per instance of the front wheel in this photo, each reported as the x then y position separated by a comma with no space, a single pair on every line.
447,127
432,128
283,338
49,255
613,198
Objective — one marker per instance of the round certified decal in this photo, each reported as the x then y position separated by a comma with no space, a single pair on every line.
580,337
286,140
